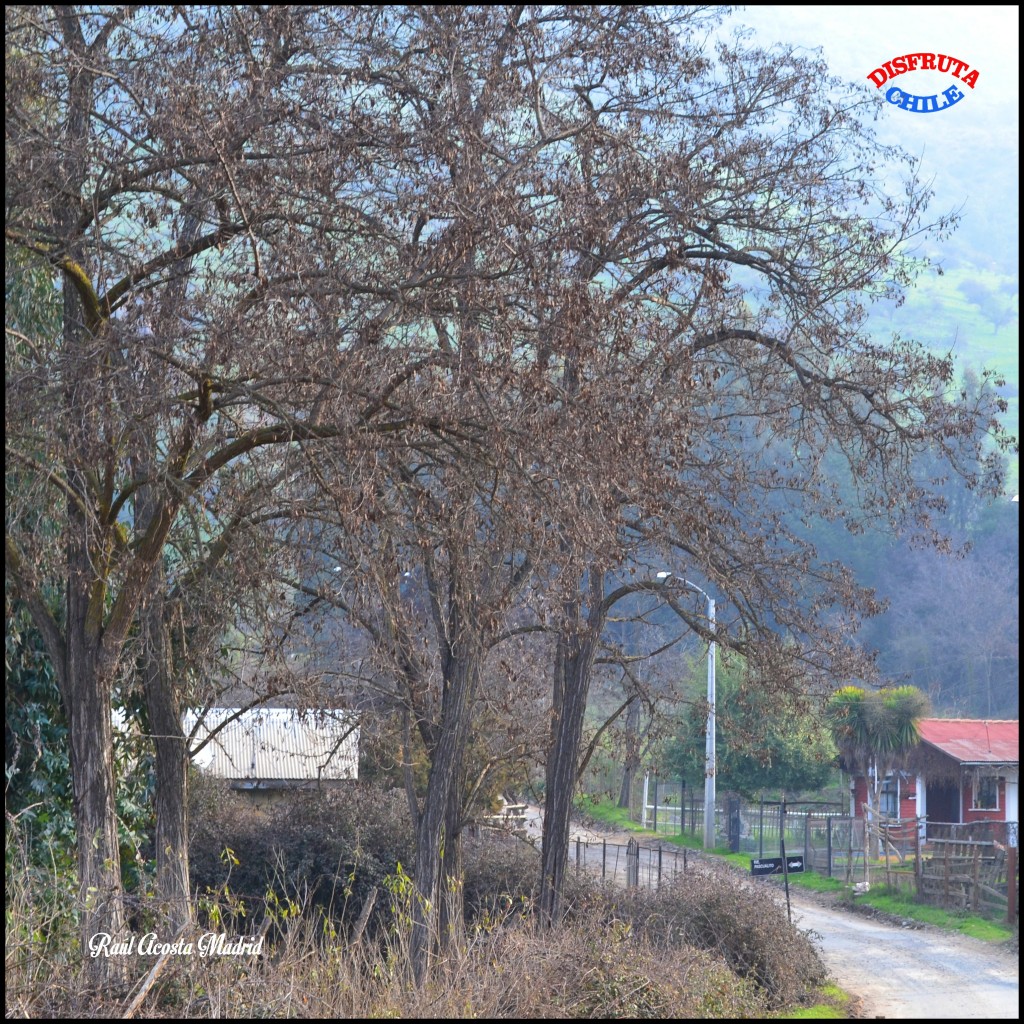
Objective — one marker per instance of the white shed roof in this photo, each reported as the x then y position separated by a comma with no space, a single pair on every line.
276,743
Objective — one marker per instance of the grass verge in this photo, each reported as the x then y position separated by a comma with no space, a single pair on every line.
967,924
608,812
835,1004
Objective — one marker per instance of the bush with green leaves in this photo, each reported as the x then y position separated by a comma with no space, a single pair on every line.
39,796
36,766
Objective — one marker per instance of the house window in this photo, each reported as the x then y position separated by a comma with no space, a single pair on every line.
888,801
986,794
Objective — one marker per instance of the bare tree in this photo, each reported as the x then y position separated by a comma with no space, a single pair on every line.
731,221
170,168
430,561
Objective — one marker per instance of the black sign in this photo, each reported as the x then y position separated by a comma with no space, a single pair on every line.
773,865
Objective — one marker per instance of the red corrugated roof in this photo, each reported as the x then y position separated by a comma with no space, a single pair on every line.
973,740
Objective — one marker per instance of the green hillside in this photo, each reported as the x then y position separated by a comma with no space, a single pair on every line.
973,314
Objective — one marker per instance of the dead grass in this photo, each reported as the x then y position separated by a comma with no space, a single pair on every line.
512,971
599,966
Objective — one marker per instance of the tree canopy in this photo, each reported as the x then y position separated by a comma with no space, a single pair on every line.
766,741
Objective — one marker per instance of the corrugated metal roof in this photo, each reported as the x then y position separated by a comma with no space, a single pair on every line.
276,743
973,740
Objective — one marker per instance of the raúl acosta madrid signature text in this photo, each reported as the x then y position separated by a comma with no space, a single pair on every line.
208,944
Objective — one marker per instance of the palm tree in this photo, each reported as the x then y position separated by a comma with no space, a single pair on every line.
875,732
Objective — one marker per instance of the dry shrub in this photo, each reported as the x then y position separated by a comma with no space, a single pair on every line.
498,871
620,955
598,969
502,876
710,946
717,911
40,932
328,850
601,969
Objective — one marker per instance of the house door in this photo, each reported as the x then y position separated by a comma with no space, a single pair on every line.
1011,799
943,802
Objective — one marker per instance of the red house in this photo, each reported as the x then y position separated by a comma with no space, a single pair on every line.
963,770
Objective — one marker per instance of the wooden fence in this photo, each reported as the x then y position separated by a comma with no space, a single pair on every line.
967,867
959,866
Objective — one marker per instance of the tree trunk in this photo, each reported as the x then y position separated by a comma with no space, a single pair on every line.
560,785
92,772
87,694
87,674
451,918
460,677
171,761
574,659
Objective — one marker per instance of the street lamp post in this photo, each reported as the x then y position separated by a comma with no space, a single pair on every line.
709,746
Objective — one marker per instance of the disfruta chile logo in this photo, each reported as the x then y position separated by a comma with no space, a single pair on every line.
905,100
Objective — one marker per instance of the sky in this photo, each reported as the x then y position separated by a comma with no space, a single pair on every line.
969,155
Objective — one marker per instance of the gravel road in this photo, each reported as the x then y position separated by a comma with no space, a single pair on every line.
912,973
